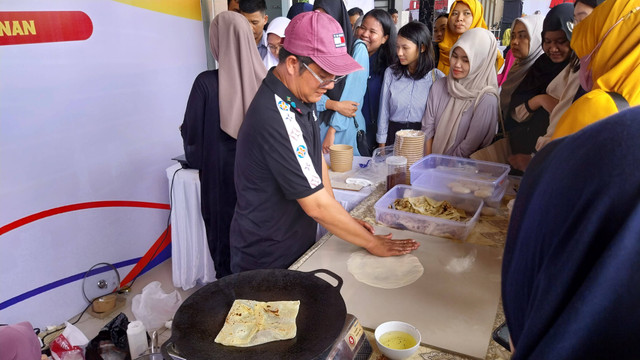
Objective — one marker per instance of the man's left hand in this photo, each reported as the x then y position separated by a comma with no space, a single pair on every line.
365,225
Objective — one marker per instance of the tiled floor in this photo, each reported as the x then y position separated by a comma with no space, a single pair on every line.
90,326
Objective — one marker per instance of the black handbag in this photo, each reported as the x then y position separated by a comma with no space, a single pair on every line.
361,140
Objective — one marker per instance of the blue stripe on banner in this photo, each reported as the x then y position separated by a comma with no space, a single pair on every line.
157,260
67,280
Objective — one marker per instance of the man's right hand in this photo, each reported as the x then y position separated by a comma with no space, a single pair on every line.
386,246
323,208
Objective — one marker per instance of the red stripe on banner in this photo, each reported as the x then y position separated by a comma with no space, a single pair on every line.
157,248
29,27
80,206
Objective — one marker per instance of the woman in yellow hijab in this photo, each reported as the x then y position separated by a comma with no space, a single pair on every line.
464,15
607,43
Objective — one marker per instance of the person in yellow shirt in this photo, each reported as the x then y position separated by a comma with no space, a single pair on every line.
607,44
464,15
506,37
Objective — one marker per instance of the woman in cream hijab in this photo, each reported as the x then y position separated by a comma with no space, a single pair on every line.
526,47
462,108
211,124
607,44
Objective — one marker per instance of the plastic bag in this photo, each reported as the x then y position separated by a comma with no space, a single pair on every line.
375,170
380,155
154,307
70,344
61,349
111,342
75,336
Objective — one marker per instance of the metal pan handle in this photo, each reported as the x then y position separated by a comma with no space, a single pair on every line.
168,351
331,274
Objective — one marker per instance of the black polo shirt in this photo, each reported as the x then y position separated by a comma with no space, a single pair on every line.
278,160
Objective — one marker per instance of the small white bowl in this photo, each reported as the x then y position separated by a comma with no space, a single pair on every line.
394,354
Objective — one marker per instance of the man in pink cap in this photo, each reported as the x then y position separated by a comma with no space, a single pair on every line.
281,178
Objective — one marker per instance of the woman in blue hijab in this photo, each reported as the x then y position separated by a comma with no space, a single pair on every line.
571,270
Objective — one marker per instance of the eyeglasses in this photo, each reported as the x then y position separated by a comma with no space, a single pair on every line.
274,48
324,83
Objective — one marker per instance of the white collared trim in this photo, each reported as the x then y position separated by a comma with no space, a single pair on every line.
298,145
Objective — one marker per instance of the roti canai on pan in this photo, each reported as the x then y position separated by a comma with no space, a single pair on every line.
252,323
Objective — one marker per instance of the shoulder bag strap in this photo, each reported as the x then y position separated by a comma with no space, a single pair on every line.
619,100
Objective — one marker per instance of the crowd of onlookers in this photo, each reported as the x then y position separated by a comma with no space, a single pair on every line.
443,84
570,272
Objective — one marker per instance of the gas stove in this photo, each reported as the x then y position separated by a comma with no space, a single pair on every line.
351,344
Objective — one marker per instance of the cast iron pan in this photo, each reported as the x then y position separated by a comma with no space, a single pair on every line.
199,319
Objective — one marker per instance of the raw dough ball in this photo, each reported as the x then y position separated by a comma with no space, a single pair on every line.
489,211
482,193
452,185
471,186
460,190
384,272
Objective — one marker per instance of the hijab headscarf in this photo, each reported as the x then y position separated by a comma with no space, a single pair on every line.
543,70
298,8
533,24
570,274
559,18
338,11
276,27
241,68
450,38
481,48
614,66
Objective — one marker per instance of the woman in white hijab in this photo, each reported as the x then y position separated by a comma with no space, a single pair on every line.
526,47
216,107
462,109
275,37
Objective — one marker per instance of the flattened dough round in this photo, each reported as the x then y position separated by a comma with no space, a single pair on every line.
384,272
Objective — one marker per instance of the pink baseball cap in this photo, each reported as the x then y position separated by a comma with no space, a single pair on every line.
320,37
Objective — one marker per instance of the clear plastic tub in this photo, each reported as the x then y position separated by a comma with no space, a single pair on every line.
432,180
443,173
496,200
427,224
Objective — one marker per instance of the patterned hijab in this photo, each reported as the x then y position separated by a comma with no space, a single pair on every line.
481,48
241,68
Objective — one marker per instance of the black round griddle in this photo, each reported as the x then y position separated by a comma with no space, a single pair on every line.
320,318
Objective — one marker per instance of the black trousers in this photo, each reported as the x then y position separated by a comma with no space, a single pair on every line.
396,126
